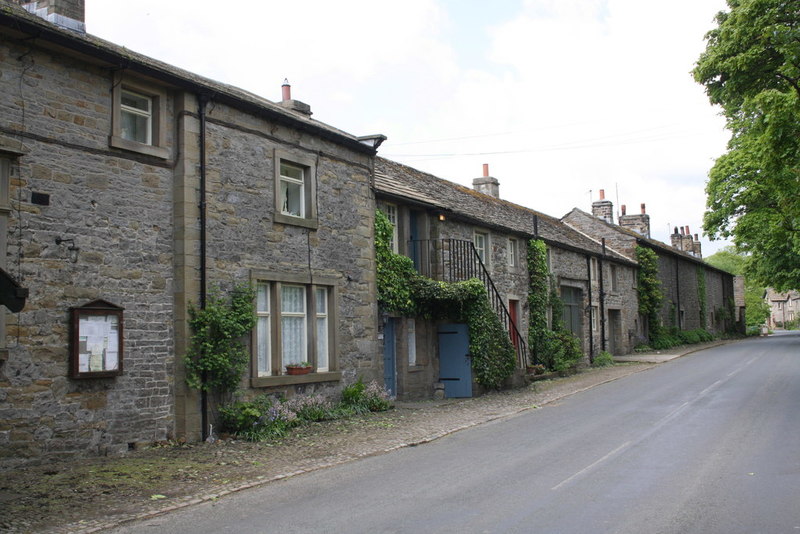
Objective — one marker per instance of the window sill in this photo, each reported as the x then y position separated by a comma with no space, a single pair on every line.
286,380
416,368
141,148
296,221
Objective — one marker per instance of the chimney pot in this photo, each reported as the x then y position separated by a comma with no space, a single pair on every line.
695,237
643,210
602,194
286,90
688,232
485,170
623,209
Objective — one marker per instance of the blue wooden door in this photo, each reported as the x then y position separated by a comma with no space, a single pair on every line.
389,362
455,368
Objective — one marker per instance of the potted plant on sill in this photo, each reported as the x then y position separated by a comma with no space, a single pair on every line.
302,368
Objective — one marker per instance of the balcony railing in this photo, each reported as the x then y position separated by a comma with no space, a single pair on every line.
457,260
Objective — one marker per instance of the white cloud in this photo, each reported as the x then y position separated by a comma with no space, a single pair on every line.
558,96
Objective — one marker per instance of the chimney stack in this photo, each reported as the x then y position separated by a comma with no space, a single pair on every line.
603,208
294,105
68,14
488,185
638,223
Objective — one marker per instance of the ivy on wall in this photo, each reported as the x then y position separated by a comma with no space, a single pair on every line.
649,288
402,290
538,300
701,294
216,359
555,347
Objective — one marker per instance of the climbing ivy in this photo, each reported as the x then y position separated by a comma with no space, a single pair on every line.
555,347
701,294
649,288
538,300
393,271
217,359
402,290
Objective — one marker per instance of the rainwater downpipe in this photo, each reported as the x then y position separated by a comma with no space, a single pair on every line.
591,325
602,301
201,109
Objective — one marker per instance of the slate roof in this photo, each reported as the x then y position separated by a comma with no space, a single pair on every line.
652,243
397,181
15,20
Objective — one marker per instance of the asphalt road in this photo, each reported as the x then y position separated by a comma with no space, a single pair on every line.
708,443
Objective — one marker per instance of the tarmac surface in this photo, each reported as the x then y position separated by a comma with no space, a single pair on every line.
409,424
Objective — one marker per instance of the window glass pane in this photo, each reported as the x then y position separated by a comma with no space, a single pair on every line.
293,340
132,100
322,343
290,171
135,127
263,347
292,201
293,299
322,301
262,298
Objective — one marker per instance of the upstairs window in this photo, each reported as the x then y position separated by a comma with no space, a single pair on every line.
295,189
138,120
136,117
391,214
481,241
512,252
292,190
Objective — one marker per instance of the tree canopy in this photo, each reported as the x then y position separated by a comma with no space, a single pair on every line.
756,308
751,68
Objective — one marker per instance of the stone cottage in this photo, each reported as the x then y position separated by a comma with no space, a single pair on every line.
784,307
131,190
696,294
452,233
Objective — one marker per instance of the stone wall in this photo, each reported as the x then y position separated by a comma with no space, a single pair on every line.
117,209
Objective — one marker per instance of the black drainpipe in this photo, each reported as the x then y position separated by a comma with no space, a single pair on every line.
602,301
591,326
678,294
202,100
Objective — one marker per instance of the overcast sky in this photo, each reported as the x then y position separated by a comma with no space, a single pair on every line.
561,98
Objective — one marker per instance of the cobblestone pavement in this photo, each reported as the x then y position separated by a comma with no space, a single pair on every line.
213,471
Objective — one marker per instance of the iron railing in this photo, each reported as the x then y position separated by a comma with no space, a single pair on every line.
457,260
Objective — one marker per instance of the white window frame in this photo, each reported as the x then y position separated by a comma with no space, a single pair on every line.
147,114
392,215
156,142
594,318
513,251
295,186
268,367
593,266
308,186
481,242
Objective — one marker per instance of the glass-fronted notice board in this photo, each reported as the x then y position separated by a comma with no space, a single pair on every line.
96,344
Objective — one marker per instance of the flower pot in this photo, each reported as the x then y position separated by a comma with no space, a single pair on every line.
297,370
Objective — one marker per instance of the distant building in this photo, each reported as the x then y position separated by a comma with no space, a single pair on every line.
784,307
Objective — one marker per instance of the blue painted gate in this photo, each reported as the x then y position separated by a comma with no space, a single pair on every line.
389,360
455,368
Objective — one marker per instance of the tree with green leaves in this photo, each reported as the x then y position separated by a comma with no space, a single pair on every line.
751,68
756,309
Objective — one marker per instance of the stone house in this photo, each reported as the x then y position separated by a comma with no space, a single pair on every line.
130,191
784,307
696,294
444,227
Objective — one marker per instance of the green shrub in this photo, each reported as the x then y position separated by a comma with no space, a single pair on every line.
604,359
